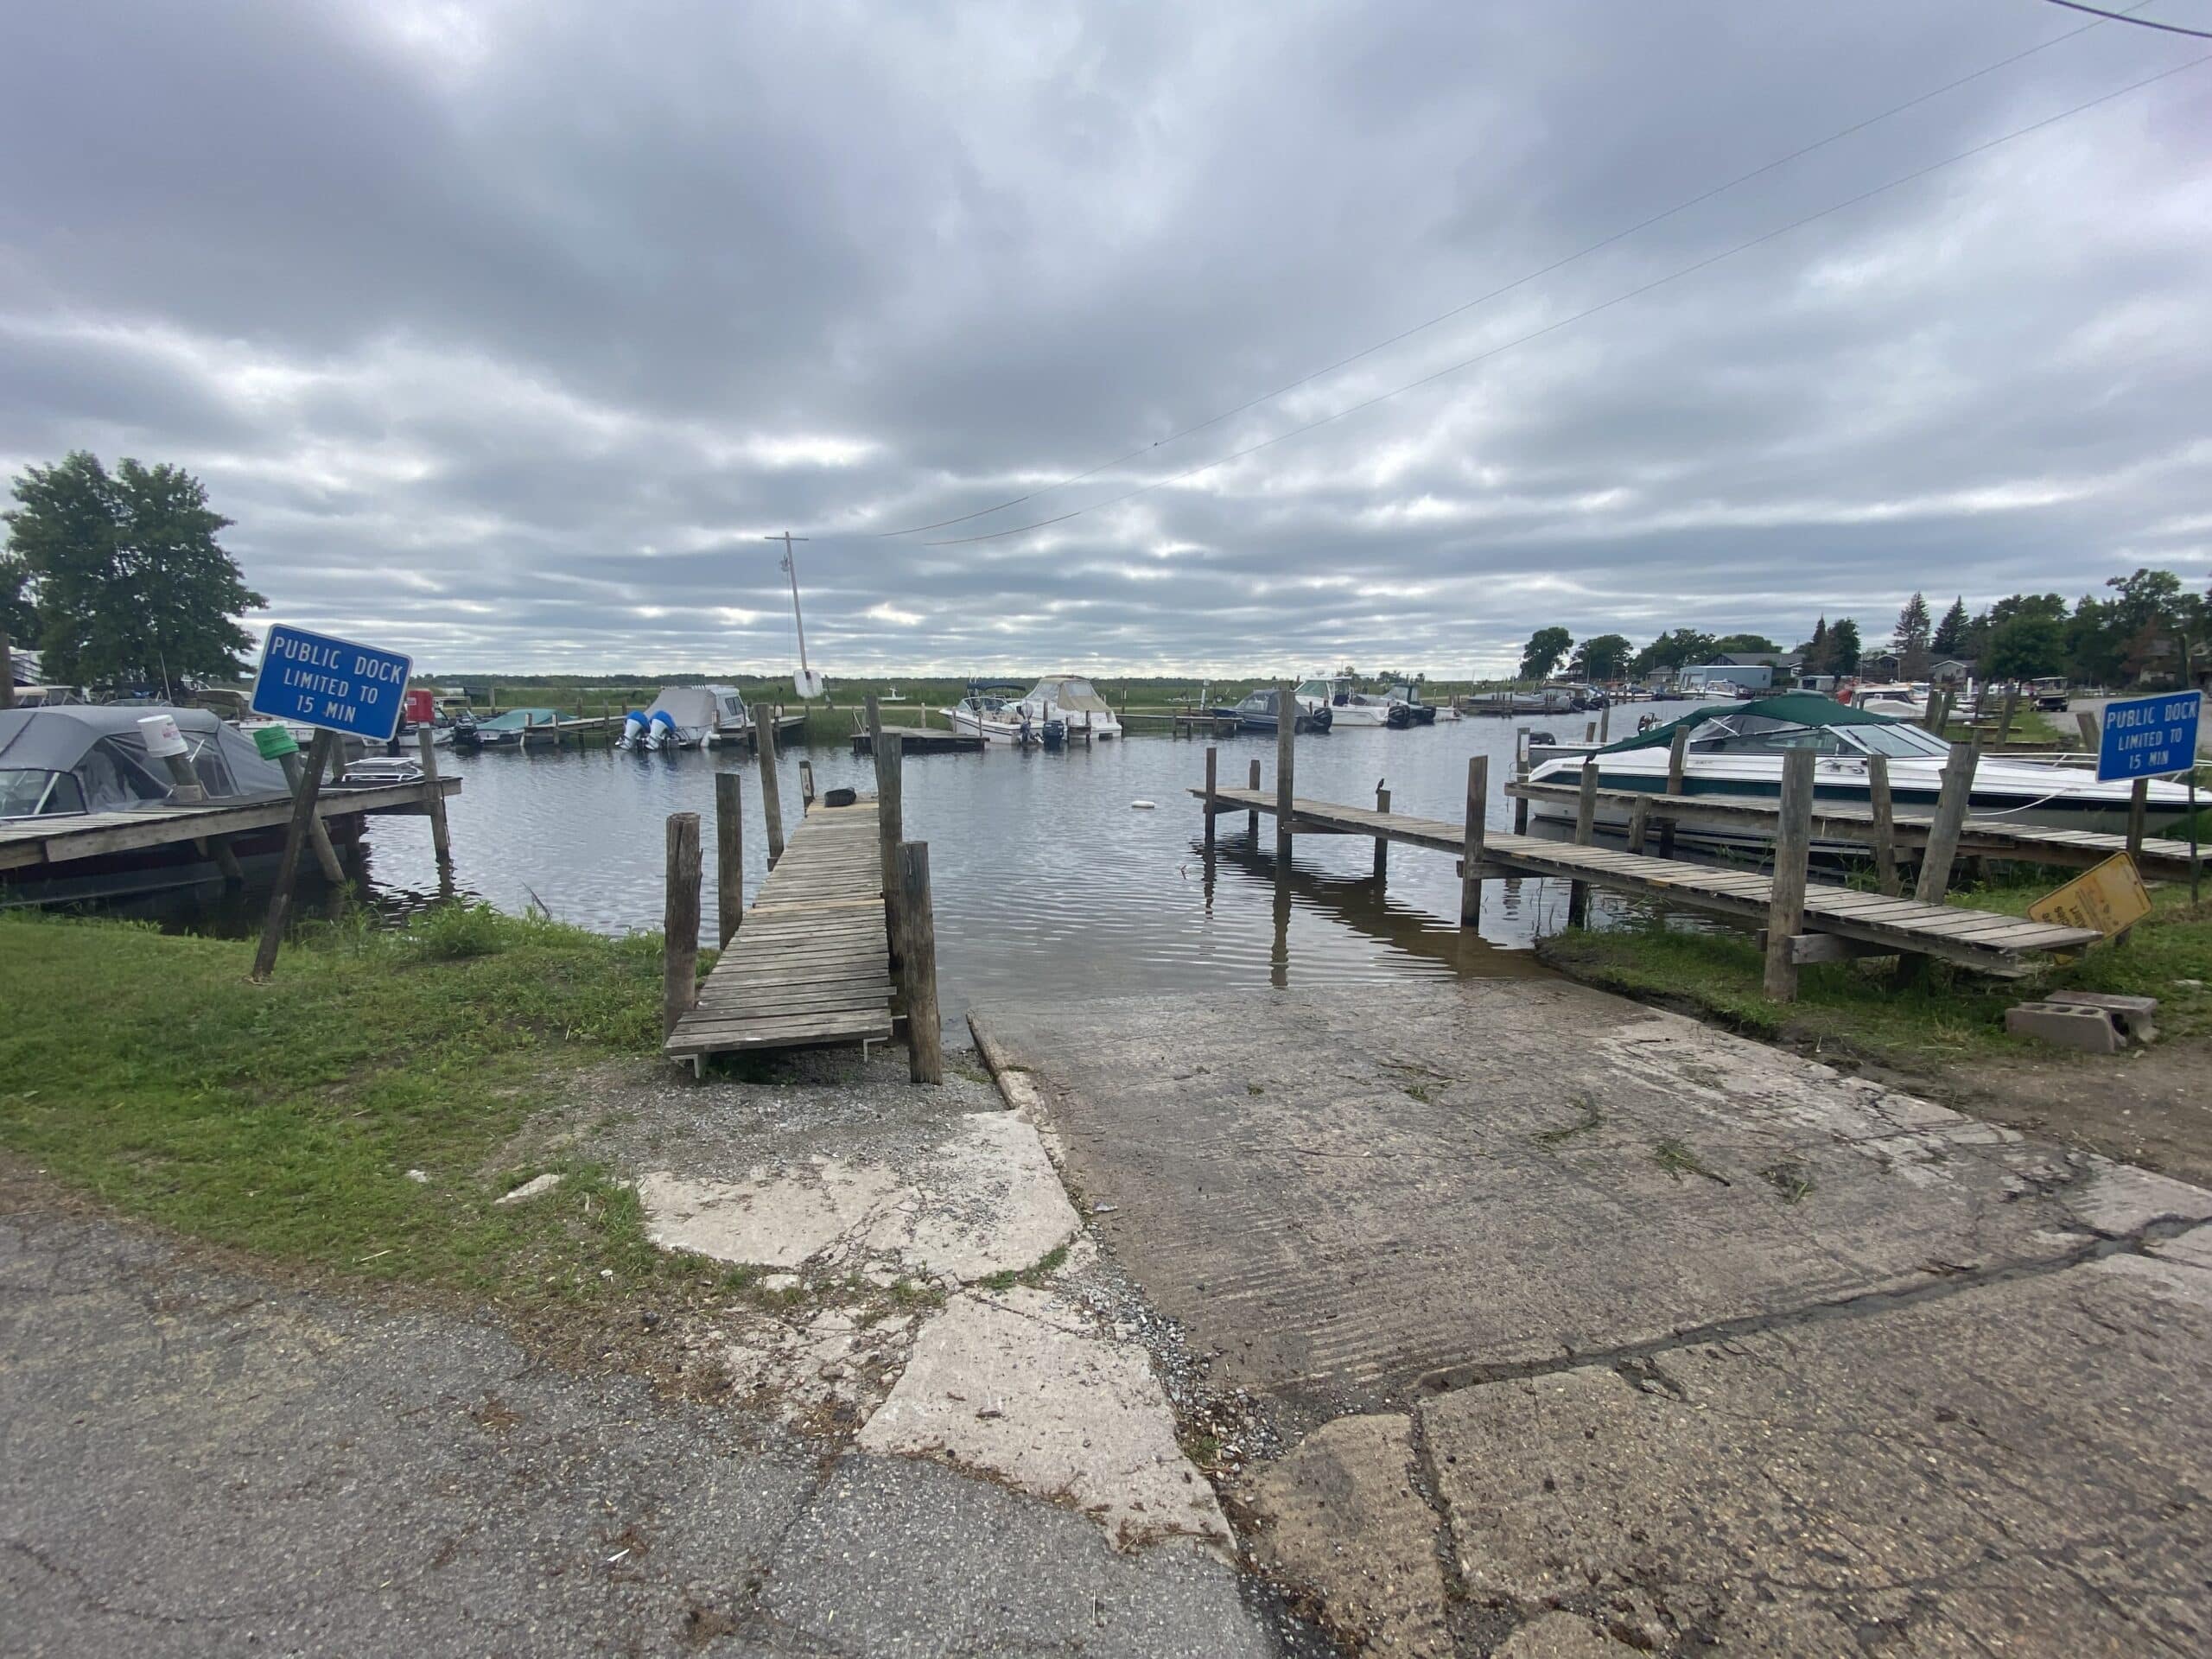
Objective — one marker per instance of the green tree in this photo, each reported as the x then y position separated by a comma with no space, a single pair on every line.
1545,648
1843,647
131,583
1602,658
1912,638
18,614
1950,636
1744,642
2025,647
1676,650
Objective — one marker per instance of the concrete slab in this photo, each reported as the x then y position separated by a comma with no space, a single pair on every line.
1020,1385
1340,1517
980,1197
2018,1468
1353,1199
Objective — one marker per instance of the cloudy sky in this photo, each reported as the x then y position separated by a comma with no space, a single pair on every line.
506,329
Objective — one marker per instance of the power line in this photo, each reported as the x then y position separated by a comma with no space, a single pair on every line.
1597,246
2139,22
1605,305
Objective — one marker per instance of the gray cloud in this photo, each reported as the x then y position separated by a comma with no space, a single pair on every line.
505,331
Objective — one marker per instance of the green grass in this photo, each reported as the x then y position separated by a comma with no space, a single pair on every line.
282,1119
1950,1016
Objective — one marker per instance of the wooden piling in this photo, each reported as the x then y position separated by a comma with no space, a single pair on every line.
1884,835
679,950
2005,715
433,798
2139,806
772,805
1213,757
1382,842
2092,737
1677,767
729,855
1585,833
805,787
288,865
1950,818
1470,846
890,826
1252,819
1639,821
1286,742
1793,837
918,971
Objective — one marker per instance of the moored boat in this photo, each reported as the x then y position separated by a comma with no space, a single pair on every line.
1258,712
1074,702
689,717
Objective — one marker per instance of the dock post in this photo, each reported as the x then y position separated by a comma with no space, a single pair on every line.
1521,775
2092,738
1382,842
1793,839
1286,739
1677,762
288,865
2139,807
1589,731
1252,819
1950,819
772,805
1639,819
925,1041
2005,717
433,797
1884,832
1213,761
729,854
1605,721
805,787
679,947
1585,834
1471,844
890,828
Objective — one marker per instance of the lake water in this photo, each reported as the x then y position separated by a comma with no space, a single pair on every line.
1045,880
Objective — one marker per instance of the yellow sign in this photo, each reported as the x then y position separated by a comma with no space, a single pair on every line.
2109,898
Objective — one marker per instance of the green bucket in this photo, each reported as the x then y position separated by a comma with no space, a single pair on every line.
274,743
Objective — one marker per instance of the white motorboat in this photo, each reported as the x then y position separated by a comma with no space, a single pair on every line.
1738,751
1347,704
1072,701
688,717
994,710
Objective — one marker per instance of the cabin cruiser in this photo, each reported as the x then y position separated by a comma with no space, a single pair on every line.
996,711
1418,713
1258,712
1738,751
1072,701
1347,704
688,717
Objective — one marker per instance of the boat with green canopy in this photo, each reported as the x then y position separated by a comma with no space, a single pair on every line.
1736,751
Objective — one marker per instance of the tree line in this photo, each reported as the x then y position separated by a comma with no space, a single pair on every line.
2143,628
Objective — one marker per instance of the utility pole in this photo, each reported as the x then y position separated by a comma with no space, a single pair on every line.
791,568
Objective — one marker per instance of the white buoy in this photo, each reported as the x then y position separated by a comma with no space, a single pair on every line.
1143,806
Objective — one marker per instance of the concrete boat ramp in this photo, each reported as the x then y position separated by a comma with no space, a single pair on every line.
1549,1324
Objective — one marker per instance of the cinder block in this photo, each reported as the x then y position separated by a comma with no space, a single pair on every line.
2068,1024
2134,1017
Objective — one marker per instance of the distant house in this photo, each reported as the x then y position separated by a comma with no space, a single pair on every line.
1821,682
1748,676
1879,666
1951,670
23,666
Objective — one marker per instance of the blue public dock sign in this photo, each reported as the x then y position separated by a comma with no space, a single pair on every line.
2146,737
320,681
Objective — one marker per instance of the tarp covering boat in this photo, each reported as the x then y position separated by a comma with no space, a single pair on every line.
1791,709
699,708
85,758
1070,692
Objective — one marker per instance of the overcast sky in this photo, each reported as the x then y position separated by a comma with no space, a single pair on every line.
505,329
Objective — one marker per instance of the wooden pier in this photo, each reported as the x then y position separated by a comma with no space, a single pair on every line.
917,740
1831,922
30,844
2158,858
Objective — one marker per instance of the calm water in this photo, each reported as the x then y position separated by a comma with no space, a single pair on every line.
1045,880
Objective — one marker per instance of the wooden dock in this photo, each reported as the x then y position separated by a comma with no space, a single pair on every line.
917,740
2158,858
810,964
26,843
1837,922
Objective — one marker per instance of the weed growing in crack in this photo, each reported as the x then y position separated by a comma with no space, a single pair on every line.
1792,1180
1678,1160
1590,1120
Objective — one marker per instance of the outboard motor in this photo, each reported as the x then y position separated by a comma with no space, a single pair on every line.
660,730
1056,735
633,731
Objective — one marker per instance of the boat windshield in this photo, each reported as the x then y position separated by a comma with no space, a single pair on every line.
1323,689
1907,742
25,793
1761,735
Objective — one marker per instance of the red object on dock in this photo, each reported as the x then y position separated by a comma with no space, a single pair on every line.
420,706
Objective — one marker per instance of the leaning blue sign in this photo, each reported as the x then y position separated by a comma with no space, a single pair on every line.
2146,737
320,681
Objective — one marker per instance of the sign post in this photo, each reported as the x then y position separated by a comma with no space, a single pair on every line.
341,689
2144,737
